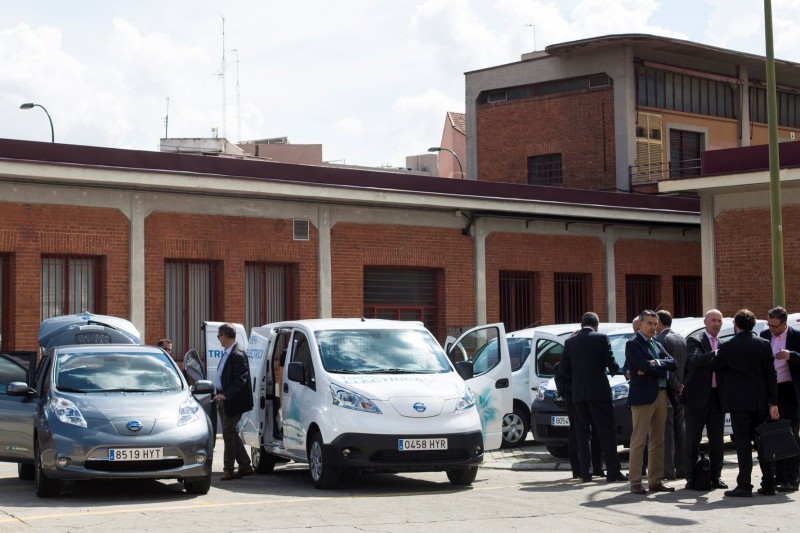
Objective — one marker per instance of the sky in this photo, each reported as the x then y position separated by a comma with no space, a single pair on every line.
369,80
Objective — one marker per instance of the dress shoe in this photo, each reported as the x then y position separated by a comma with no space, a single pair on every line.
786,487
739,492
764,491
598,473
619,478
575,475
227,475
718,484
244,471
638,489
689,485
586,479
661,488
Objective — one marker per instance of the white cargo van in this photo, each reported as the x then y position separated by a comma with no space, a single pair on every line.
375,396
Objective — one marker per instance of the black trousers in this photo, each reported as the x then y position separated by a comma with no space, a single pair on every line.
675,442
743,424
713,419
601,416
788,470
574,455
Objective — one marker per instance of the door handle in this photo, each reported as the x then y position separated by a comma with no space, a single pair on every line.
286,388
501,383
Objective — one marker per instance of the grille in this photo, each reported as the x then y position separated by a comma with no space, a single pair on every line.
552,432
422,456
134,466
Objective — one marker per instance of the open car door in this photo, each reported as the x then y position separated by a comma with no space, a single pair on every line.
486,348
193,371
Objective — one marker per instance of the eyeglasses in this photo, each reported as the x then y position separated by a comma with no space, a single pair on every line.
219,336
773,326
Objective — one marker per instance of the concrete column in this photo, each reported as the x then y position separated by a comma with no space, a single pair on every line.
137,286
324,262
744,106
611,275
708,251
625,118
480,231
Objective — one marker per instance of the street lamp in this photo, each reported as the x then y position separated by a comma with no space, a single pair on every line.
30,105
440,148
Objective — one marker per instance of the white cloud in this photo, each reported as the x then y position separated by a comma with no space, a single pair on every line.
417,121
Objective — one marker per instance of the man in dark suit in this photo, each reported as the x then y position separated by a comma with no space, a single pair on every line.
649,365
587,355
785,343
234,398
748,390
674,434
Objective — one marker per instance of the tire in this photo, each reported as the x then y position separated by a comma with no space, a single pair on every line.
515,428
197,485
263,462
559,451
26,471
463,476
322,475
45,487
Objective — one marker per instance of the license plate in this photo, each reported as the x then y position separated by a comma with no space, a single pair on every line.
727,420
135,454
561,421
409,445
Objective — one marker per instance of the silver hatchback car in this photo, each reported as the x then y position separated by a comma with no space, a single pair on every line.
104,411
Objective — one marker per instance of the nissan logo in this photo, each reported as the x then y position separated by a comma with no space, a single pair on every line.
420,407
134,425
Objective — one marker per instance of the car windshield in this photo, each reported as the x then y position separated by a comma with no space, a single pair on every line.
116,372
379,351
618,342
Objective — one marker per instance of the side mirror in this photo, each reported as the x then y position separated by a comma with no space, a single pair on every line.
18,388
203,387
465,370
296,372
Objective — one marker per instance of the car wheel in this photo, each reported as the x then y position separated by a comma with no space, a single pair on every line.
559,451
26,471
322,475
462,476
45,487
515,428
263,462
197,485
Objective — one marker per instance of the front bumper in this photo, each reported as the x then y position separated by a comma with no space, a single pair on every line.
543,411
379,453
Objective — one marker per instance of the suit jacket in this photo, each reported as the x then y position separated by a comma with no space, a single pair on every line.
675,345
793,345
748,365
644,389
697,374
236,384
587,355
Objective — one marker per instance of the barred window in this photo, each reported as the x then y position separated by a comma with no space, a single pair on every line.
687,294
641,292
191,298
545,170
70,285
571,296
5,280
402,294
268,293
519,299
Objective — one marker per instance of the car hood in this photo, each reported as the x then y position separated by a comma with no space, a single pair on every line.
386,386
116,405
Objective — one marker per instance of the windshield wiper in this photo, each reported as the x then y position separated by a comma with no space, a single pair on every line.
344,371
127,390
392,371
70,389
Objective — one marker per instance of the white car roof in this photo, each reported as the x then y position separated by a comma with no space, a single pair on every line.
562,329
324,324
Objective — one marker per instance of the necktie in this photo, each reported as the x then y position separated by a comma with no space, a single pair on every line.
662,382
713,374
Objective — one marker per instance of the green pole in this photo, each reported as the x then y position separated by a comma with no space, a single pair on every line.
776,227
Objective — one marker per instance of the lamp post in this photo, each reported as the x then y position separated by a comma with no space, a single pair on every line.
442,148
30,105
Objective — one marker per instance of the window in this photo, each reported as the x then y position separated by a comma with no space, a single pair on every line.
268,294
685,149
14,367
548,353
594,81
682,92
191,297
787,104
402,294
571,296
641,292
545,170
5,279
70,285
519,299
687,294
301,353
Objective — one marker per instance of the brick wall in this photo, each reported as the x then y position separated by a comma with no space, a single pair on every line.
654,258
230,241
355,246
546,255
30,230
579,125
744,260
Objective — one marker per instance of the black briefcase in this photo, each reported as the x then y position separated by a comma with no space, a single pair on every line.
776,441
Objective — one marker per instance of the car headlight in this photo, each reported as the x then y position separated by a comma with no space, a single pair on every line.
67,412
619,392
350,400
541,391
188,412
467,401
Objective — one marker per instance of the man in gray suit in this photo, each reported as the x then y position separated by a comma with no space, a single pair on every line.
674,432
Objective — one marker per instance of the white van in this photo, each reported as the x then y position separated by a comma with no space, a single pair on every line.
375,396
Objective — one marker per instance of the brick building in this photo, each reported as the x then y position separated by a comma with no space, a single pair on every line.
168,240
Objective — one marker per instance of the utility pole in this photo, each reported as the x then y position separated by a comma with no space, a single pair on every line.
534,34
166,121
238,101
222,77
